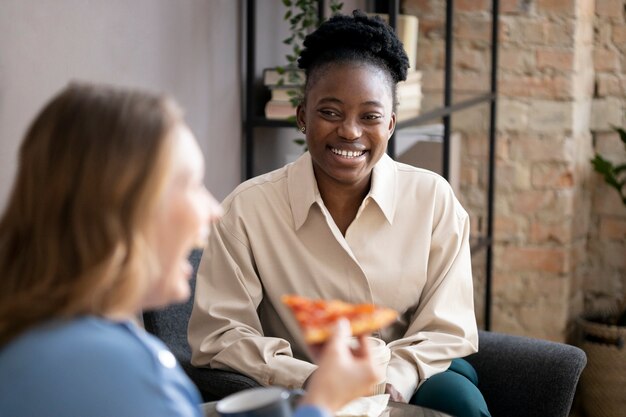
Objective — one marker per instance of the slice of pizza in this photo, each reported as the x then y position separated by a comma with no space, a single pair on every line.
317,317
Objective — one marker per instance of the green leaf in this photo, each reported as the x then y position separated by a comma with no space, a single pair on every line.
299,141
287,14
287,3
620,168
622,133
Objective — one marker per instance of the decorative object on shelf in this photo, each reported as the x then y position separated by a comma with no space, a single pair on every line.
409,96
286,82
603,383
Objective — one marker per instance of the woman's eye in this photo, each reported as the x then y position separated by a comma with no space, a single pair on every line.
372,116
329,113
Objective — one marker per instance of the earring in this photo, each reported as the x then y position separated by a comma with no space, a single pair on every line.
303,129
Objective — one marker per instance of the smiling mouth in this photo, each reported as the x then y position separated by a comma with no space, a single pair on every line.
347,154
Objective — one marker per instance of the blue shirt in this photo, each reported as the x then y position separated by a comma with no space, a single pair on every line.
93,367
97,368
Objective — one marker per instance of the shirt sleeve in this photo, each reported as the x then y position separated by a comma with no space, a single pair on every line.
443,327
225,331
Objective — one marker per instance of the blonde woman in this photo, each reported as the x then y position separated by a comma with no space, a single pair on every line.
108,201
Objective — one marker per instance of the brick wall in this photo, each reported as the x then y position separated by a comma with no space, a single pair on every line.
557,227
606,271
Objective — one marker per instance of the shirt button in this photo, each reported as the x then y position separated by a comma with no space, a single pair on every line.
167,359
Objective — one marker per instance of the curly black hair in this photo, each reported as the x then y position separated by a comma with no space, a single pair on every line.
356,38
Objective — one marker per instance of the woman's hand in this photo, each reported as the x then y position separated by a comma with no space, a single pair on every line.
343,374
394,395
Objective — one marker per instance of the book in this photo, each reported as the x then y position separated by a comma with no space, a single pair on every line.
287,77
279,110
411,88
285,93
409,96
407,27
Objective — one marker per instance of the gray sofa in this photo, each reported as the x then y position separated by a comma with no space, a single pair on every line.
519,376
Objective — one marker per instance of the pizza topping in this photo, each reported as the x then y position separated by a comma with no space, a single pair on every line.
316,317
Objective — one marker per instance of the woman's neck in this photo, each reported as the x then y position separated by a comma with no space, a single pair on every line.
343,201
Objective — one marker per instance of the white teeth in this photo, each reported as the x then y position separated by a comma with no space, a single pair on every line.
347,154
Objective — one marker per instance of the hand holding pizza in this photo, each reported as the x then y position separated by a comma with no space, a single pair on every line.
344,373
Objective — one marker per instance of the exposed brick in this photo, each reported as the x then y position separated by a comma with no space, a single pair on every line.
547,116
417,6
608,85
609,145
431,28
606,60
606,112
613,254
609,8
560,7
543,259
473,29
471,59
551,175
469,174
473,5
562,206
512,176
508,228
531,201
476,146
555,58
542,149
613,228
511,6
539,86
560,34
512,114
602,33
605,198
471,81
432,80
430,54
517,59
560,232
619,34
526,31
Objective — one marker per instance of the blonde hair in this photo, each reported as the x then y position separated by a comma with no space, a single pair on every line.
73,236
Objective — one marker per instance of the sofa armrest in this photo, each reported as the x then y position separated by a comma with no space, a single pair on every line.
521,376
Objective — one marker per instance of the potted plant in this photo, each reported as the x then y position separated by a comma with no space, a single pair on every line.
603,383
302,16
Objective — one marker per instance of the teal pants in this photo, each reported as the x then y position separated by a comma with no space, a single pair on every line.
453,392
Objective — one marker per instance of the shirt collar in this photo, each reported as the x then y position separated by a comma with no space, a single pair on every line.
303,191
383,188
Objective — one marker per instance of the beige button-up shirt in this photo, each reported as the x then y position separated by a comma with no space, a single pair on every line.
407,248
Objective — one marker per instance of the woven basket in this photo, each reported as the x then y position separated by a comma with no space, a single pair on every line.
603,382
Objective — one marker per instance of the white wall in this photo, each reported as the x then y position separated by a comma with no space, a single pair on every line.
187,48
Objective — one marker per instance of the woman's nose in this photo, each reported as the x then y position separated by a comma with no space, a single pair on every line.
349,129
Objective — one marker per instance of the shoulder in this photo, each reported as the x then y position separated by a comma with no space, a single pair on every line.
422,182
98,361
257,189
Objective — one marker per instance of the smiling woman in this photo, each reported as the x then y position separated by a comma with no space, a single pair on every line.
344,222
107,203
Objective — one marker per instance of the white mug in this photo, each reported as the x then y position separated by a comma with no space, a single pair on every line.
259,402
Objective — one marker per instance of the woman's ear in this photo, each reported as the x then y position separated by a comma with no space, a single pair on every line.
392,123
300,119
